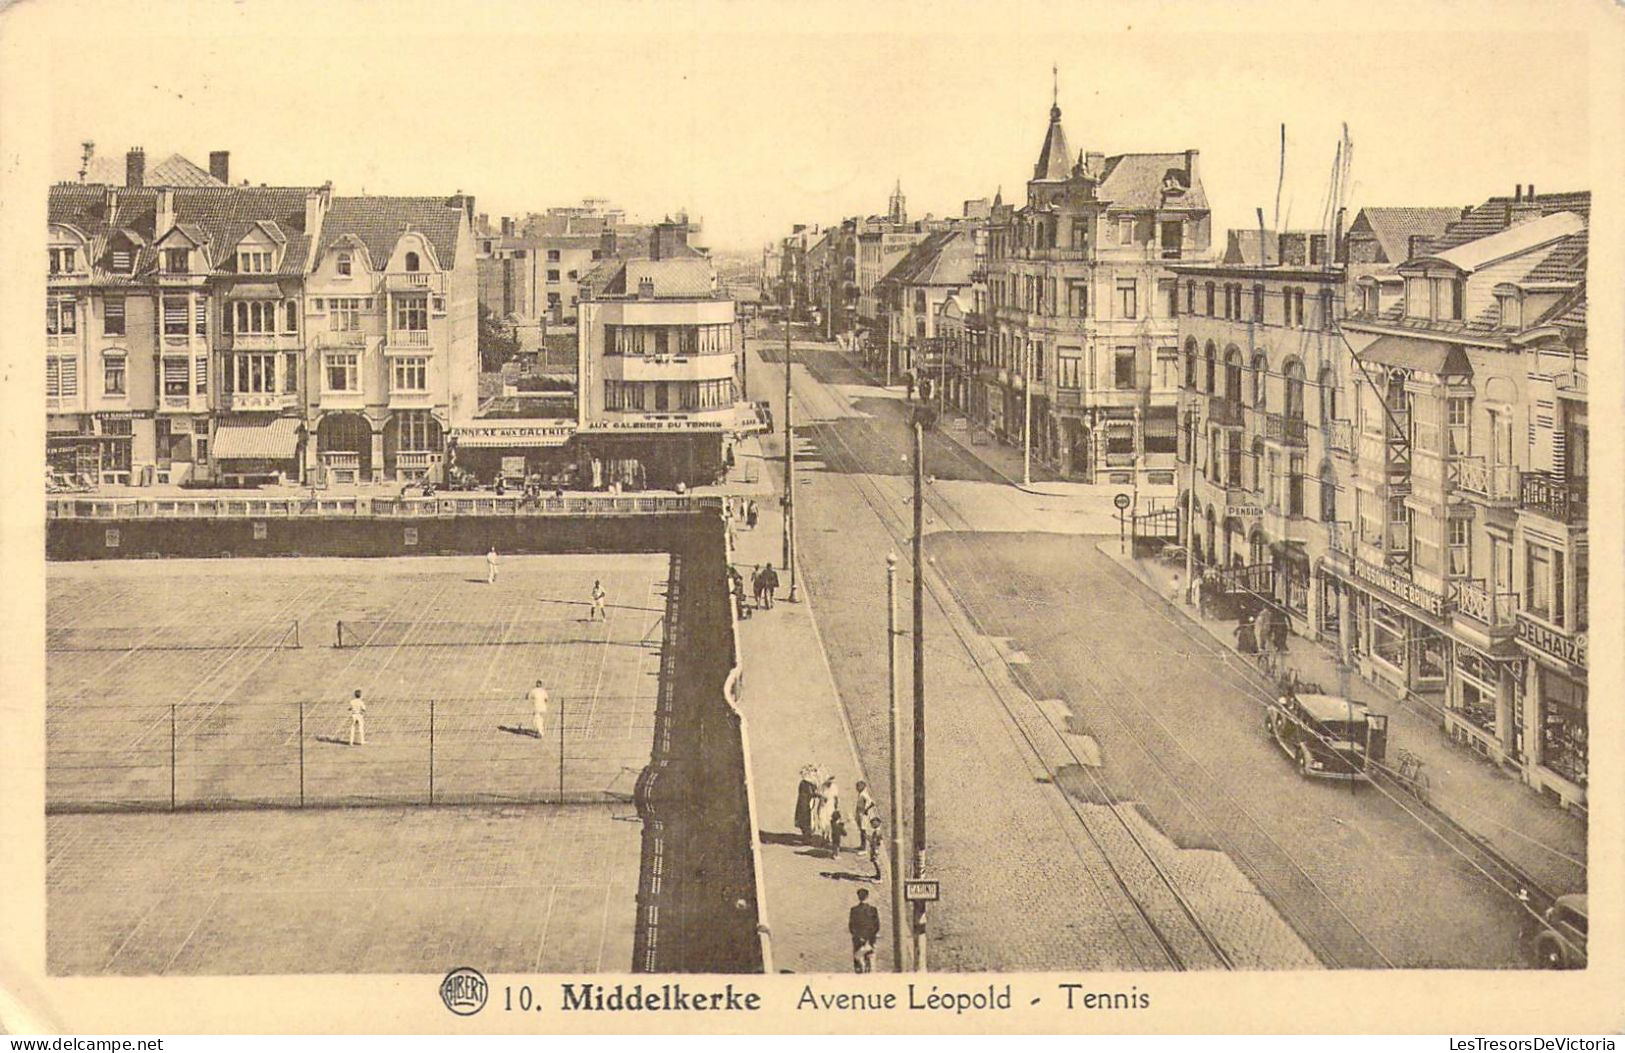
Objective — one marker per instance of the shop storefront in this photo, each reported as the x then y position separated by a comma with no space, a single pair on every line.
254,449
1555,705
482,453
651,457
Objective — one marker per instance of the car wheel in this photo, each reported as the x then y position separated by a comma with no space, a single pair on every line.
1550,953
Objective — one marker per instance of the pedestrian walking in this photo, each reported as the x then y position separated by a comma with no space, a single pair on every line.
863,923
1176,594
863,811
538,708
491,566
770,585
1205,589
751,514
806,794
1246,643
876,853
820,811
1279,627
736,585
358,719
837,833
1262,635
757,579
598,597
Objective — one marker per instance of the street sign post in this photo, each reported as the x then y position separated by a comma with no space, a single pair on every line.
1121,501
922,890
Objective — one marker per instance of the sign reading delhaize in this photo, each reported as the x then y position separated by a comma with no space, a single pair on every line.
921,890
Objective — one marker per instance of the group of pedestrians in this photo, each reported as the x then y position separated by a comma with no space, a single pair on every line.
764,583
1262,635
823,822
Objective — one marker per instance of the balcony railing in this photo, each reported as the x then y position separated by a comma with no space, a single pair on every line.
1561,499
409,337
1498,610
356,338
1497,482
1293,431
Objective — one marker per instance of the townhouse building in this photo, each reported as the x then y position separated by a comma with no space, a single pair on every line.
1465,579
661,359
393,362
1262,366
186,341
1084,312
913,294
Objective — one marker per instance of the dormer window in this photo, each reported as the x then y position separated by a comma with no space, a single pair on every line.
345,263
63,261
122,259
412,264
254,262
1125,230
1511,310
177,261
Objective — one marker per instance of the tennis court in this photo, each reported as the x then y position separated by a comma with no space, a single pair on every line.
185,681
191,683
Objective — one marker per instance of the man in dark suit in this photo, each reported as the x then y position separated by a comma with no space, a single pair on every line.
863,922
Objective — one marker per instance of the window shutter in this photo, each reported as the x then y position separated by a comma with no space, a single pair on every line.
70,376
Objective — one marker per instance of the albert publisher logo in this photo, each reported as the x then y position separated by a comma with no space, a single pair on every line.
464,991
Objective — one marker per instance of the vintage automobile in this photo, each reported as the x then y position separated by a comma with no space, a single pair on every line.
1562,943
1329,737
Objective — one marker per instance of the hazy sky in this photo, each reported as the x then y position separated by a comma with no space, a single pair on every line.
757,116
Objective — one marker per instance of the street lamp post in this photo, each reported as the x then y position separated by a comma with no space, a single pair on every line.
1190,504
896,766
1027,415
919,683
789,472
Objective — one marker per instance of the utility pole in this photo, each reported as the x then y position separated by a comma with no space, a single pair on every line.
1190,504
919,684
1027,415
789,471
896,766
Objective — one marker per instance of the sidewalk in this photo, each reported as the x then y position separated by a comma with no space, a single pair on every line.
1539,839
788,696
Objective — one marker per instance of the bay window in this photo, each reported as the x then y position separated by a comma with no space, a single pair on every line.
256,374
411,374
341,372
412,313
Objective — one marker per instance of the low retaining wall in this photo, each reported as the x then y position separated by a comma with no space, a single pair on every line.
700,903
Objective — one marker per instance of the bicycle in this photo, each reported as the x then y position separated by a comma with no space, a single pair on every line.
1410,775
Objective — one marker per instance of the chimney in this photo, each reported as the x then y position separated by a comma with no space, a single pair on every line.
507,226
220,165
315,208
646,288
1517,193
164,220
466,202
135,168
1190,165
1293,247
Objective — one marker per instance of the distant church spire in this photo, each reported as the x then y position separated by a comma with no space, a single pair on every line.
1054,157
897,211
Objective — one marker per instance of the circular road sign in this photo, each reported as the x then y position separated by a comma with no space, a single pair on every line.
1121,501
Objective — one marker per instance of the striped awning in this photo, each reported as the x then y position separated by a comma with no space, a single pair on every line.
276,439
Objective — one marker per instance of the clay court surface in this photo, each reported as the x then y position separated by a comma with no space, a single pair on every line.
180,677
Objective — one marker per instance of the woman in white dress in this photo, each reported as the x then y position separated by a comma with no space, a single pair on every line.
829,797
820,810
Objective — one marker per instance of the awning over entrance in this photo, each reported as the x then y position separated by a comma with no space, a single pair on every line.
1423,356
254,291
276,439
